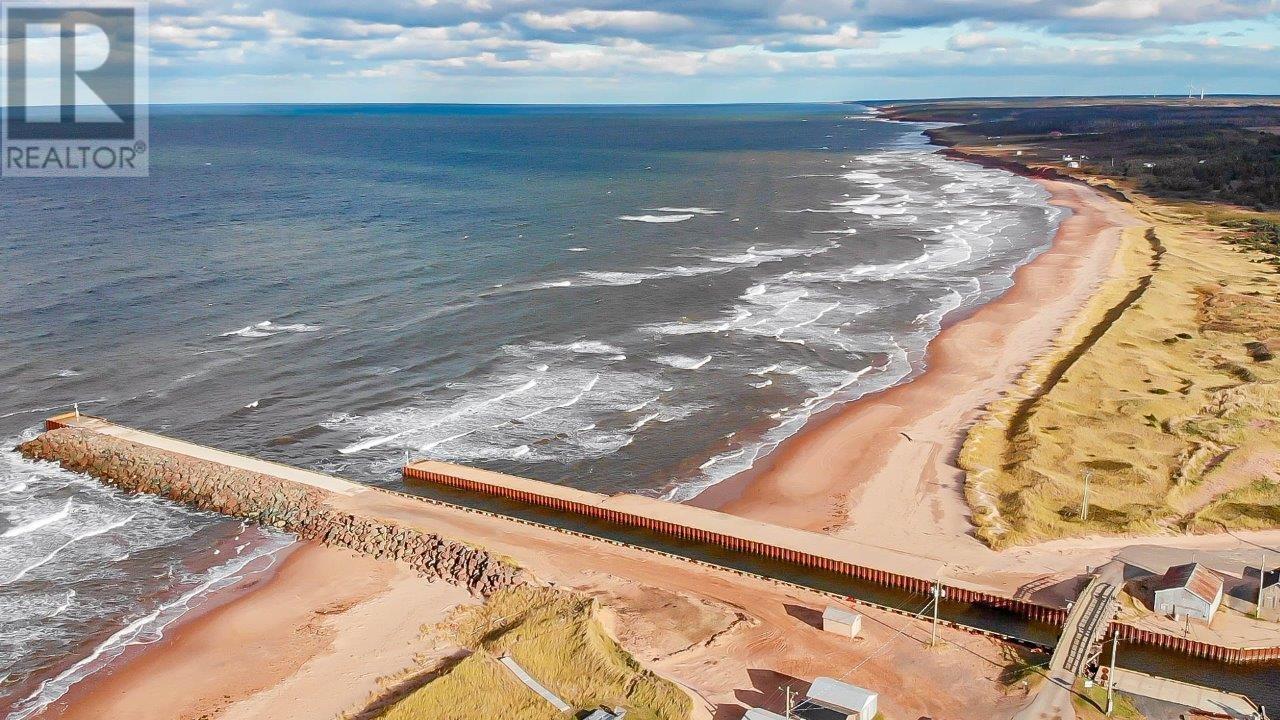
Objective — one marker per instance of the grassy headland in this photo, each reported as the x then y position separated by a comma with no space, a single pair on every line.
556,637
1163,391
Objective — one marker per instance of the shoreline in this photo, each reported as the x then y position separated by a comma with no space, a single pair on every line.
259,570
721,494
271,646
843,473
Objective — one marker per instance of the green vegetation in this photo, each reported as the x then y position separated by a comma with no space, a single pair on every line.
1258,234
1201,162
557,638
1092,703
1216,151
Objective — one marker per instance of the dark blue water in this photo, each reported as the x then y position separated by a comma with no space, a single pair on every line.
641,299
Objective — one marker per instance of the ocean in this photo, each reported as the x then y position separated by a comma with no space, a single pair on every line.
641,299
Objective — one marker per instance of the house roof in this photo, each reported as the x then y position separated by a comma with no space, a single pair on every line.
1195,579
841,615
762,714
831,693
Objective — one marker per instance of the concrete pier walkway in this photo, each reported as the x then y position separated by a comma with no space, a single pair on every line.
1087,623
1180,693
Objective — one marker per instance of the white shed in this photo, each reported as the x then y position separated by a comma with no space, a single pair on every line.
762,714
1188,591
851,700
841,622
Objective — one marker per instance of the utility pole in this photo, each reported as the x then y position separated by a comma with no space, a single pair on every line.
791,703
1111,676
77,407
1262,580
1084,504
937,597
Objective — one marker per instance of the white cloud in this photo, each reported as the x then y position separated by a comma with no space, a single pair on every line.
646,21
798,21
595,41
844,37
966,42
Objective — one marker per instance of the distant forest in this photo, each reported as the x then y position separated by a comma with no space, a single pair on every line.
1216,153
1192,162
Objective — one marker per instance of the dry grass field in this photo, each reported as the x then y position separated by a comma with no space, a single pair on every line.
1162,392
557,638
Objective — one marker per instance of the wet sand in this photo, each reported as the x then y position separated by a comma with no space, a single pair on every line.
882,469
310,640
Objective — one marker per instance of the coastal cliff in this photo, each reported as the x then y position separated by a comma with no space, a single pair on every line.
270,501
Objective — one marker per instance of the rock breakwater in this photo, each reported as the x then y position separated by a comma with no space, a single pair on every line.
312,513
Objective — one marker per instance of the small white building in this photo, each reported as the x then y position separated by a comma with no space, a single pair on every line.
841,622
1073,164
849,700
762,714
1188,591
1243,594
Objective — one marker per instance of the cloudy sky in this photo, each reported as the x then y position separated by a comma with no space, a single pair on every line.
704,50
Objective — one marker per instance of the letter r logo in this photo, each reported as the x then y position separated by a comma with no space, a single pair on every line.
60,49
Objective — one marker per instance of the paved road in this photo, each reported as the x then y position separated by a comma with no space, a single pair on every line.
1086,624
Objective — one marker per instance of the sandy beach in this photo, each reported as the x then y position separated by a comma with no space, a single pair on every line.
331,633
310,641
882,469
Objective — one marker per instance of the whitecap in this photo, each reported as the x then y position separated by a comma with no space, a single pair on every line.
657,218
682,362
267,328
74,539
594,347
38,523
436,422
66,603
687,210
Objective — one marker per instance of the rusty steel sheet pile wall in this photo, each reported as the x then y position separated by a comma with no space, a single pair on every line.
590,505
272,501
587,508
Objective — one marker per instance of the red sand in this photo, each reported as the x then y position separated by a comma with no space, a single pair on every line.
882,470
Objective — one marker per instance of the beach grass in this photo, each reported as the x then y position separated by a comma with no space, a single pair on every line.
1163,391
556,637
1091,703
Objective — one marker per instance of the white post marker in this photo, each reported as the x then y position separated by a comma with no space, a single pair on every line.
1084,504
1262,580
1111,676
938,594
77,407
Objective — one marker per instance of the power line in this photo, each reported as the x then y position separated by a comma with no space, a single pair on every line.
901,631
